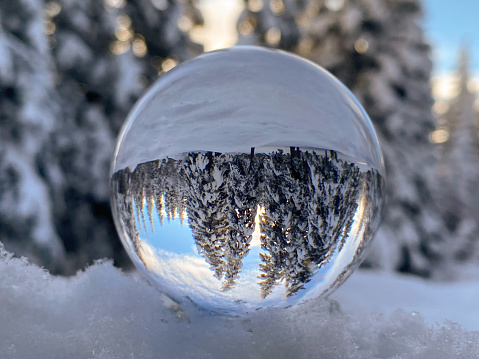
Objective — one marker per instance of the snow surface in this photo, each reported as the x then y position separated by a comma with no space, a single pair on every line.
249,97
104,313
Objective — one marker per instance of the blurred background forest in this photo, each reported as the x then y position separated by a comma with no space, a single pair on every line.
71,70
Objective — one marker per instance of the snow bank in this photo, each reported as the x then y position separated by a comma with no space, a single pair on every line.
369,291
103,313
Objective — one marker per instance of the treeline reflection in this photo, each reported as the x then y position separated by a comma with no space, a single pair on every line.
306,204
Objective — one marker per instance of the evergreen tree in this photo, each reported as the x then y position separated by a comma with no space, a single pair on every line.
377,49
461,158
29,109
336,193
221,206
93,59
124,207
459,171
371,198
310,202
205,174
243,200
284,222
300,266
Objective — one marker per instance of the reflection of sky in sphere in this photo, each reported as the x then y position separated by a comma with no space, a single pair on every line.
171,256
235,99
164,234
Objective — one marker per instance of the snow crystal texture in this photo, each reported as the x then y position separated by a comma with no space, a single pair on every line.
103,313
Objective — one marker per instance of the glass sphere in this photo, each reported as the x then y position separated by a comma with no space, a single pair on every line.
247,178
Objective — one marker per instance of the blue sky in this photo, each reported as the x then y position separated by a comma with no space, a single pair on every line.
448,24
162,237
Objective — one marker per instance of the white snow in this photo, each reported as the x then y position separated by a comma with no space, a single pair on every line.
437,302
72,51
6,64
128,85
248,98
31,201
103,313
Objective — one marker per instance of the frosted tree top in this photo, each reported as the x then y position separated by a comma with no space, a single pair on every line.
234,99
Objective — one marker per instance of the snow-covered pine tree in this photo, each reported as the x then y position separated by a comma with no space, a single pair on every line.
104,54
335,193
371,194
284,224
124,207
310,202
277,222
461,159
323,234
171,189
295,193
331,206
377,48
205,174
272,242
458,168
29,109
243,199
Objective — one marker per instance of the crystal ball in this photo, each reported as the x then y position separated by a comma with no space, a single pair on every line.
247,178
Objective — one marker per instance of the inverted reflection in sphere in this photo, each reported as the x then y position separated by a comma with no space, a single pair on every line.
247,178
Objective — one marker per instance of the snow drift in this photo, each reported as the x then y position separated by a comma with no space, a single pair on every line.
104,313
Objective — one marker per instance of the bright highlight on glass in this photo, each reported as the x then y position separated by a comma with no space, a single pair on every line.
247,178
